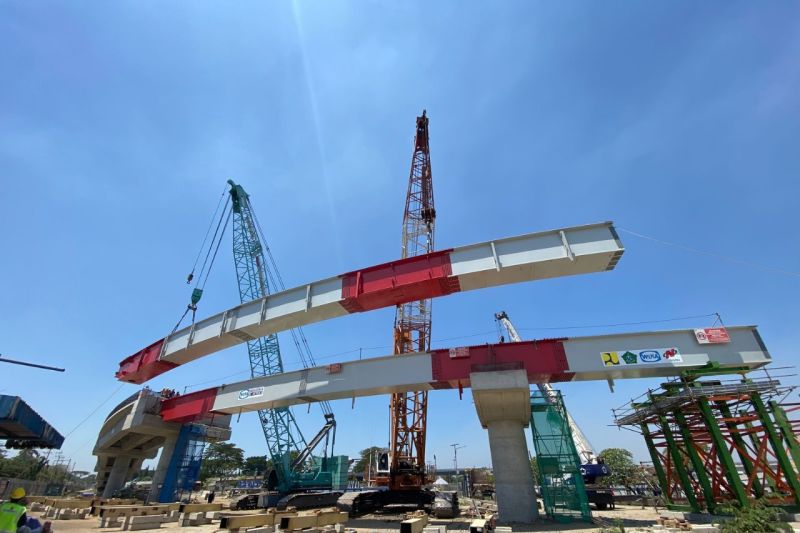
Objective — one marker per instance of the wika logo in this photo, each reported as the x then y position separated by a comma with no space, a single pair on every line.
650,356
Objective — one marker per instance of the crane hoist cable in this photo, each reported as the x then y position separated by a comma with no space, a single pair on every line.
208,261
298,337
205,238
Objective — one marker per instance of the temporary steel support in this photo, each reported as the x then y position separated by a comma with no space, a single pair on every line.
677,463
657,466
739,444
777,445
782,421
725,426
697,462
752,434
721,447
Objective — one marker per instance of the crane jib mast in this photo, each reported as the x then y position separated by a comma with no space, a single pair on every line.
294,468
412,330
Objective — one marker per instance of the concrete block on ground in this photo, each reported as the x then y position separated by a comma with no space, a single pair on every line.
700,518
198,519
66,514
705,529
502,529
262,529
434,529
139,527
213,515
137,523
110,522
676,515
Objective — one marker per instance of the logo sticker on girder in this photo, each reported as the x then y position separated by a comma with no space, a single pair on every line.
458,353
610,358
255,392
648,357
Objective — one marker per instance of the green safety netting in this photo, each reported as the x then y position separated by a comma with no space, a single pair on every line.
561,484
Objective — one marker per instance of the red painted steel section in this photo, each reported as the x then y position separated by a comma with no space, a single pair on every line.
189,407
143,365
397,282
544,361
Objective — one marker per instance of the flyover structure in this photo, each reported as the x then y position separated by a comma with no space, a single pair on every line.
534,256
134,431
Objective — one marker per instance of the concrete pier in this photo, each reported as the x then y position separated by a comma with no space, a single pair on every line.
161,470
502,399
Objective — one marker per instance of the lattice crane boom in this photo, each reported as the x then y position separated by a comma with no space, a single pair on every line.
287,447
412,330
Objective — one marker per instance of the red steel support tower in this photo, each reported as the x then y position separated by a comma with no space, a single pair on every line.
412,330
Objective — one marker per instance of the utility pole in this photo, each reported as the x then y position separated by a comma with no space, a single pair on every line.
456,447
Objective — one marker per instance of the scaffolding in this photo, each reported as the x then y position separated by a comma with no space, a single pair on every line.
560,480
716,438
184,465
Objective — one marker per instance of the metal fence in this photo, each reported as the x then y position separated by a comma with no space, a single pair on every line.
32,488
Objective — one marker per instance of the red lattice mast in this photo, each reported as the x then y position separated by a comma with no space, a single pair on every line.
412,330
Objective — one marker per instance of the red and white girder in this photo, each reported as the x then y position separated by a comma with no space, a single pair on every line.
535,256
604,357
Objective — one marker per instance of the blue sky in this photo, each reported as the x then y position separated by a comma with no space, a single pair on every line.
121,121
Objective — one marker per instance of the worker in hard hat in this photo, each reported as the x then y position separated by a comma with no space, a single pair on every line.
12,512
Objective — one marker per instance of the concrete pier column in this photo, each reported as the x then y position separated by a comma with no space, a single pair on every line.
161,469
118,475
502,399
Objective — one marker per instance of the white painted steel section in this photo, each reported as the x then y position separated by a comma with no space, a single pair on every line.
535,256
584,354
385,375
382,375
525,258
284,310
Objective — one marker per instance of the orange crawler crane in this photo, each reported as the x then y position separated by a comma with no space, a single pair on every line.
412,328
402,471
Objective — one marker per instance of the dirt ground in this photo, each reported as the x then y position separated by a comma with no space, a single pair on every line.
632,517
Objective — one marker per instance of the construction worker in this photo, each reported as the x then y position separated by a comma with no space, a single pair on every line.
12,512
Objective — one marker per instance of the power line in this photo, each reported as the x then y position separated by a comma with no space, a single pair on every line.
95,410
729,259
639,323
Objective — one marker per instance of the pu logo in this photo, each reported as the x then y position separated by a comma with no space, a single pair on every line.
610,358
